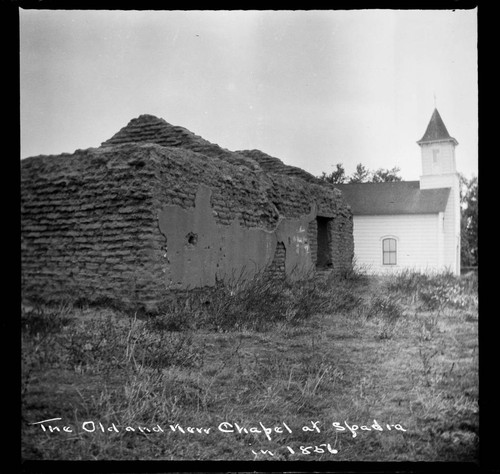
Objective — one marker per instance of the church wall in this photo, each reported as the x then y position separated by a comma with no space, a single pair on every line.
451,230
445,158
417,242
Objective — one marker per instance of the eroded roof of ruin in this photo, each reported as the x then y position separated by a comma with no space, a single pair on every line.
151,129
270,164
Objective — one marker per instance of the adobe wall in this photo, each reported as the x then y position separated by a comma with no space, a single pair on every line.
244,220
132,223
86,226
199,251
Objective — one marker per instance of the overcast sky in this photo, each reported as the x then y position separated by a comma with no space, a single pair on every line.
313,88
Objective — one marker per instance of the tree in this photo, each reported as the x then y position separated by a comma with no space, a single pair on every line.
469,221
361,174
386,175
336,177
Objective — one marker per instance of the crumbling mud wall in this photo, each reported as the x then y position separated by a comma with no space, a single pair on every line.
87,221
199,252
332,207
219,220
133,222
292,197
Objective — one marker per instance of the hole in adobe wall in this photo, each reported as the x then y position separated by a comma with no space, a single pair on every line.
192,238
138,164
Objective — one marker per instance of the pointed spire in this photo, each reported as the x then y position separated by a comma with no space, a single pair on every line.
436,130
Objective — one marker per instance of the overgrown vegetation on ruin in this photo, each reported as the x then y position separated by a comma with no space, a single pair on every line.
400,350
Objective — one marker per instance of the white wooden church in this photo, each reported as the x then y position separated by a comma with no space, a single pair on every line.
411,224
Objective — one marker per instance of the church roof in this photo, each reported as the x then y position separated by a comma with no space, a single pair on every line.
401,197
436,130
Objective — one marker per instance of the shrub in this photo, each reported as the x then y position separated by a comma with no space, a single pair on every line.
433,298
255,304
387,311
104,344
93,344
435,292
355,273
447,290
41,328
407,283
177,315
43,321
260,302
385,307
308,300
342,292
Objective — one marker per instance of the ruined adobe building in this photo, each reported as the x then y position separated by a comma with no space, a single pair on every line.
157,209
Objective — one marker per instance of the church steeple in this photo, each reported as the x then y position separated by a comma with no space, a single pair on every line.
439,170
437,148
436,131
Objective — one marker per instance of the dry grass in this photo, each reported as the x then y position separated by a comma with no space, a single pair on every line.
401,351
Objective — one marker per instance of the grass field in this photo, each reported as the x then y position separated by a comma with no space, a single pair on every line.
349,368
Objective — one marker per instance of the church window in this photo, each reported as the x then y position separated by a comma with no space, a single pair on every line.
435,154
389,251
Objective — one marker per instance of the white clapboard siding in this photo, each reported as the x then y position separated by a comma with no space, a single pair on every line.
451,227
451,255
445,162
417,238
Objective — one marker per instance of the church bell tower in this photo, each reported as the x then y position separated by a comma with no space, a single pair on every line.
439,171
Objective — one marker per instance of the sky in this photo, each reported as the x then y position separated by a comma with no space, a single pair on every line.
313,88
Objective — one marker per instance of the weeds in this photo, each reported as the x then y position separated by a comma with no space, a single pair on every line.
407,283
426,357
244,304
105,344
40,327
435,292
175,316
260,303
42,322
342,292
388,312
355,274
261,350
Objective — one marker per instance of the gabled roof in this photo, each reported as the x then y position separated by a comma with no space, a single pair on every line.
436,130
401,197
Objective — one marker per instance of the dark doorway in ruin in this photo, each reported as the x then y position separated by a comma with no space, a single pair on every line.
324,255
